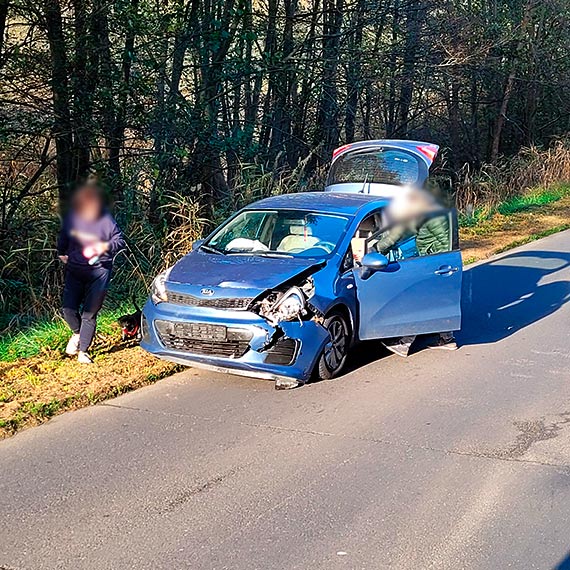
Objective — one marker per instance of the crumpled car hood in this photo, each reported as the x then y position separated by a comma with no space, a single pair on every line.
235,275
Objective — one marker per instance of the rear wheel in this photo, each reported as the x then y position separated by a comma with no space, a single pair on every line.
334,354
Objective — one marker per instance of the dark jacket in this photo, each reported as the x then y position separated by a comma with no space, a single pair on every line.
77,233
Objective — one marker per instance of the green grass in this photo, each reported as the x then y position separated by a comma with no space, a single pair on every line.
52,333
529,201
532,200
474,218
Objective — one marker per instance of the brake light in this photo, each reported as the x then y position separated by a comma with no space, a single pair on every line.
429,151
340,149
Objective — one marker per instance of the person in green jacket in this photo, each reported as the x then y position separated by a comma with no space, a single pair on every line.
432,236
415,212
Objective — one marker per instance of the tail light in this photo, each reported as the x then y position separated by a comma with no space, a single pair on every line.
340,149
429,151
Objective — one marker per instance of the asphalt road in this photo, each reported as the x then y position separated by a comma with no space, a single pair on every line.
444,460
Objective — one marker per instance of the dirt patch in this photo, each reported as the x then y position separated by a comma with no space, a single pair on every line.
499,232
34,389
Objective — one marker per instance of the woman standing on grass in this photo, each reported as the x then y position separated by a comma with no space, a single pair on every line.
88,241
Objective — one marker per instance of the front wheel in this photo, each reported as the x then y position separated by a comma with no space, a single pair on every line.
334,354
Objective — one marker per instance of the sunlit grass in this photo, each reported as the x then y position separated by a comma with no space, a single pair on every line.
533,199
53,334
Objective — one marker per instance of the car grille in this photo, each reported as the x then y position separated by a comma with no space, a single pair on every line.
237,303
282,352
204,338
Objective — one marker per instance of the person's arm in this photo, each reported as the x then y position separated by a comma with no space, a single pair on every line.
389,239
442,235
116,242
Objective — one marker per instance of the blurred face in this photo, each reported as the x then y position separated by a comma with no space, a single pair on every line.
410,204
87,203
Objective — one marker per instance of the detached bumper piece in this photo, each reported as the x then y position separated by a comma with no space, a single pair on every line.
204,338
287,383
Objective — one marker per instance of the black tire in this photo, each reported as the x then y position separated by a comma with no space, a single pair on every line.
335,352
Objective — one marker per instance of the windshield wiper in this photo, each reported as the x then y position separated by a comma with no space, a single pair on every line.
212,249
273,253
260,253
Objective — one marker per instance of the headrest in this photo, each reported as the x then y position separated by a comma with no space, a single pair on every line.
300,230
367,225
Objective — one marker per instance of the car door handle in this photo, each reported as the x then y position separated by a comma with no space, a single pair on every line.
446,270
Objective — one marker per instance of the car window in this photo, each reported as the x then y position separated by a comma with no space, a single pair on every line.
287,232
429,236
377,165
366,229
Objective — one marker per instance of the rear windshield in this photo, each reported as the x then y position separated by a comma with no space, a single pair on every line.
378,165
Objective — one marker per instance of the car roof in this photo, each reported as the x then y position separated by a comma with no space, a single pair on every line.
326,202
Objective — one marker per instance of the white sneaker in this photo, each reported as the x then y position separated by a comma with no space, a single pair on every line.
84,358
400,346
72,347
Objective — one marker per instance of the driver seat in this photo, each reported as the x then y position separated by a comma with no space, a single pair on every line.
299,239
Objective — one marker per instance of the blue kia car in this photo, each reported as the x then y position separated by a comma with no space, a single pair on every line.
287,285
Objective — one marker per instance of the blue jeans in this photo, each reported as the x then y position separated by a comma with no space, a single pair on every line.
85,288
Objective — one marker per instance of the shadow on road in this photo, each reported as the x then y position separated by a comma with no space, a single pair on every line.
364,353
503,296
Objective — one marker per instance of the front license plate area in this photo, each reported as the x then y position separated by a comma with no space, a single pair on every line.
201,331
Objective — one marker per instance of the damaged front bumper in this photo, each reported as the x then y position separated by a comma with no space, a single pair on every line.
239,342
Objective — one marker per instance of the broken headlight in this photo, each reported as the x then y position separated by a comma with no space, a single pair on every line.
288,306
158,292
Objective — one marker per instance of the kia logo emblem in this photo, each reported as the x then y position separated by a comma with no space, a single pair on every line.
207,292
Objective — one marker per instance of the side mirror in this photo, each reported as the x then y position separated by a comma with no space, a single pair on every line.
373,262
197,244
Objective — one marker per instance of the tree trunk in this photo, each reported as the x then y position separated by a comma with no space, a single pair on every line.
354,72
3,18
117,138
414,17
391,117
502,116
509,85
281,79
83,86
62,131
327,115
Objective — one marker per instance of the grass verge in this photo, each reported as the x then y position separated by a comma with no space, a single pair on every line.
34,389
517,221
37,383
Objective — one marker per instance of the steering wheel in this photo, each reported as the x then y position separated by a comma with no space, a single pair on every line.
328,246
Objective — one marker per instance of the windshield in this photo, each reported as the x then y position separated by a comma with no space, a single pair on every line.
292,233
377,166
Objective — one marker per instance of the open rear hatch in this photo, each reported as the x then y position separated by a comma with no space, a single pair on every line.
380,167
